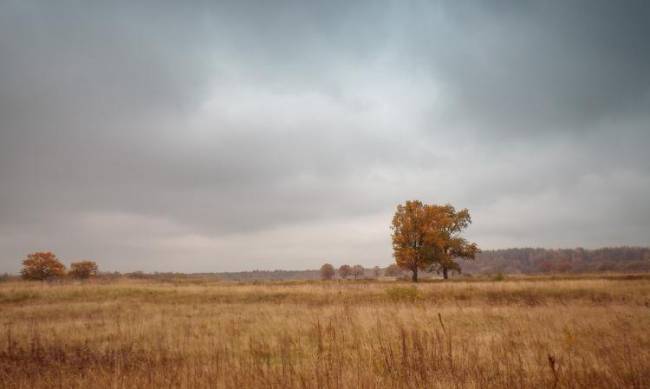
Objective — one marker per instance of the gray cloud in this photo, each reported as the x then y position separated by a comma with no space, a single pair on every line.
222,136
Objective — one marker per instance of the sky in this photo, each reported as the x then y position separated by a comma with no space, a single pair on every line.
208,136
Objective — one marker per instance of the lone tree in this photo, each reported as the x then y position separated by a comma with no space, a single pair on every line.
357,271
327,272
345,271
427,236
83,270
42,266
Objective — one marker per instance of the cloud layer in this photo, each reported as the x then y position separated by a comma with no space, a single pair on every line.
224,136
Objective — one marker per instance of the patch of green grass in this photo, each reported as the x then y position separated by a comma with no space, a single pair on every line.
403,293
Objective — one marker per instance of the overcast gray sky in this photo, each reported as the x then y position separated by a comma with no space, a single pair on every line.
222,136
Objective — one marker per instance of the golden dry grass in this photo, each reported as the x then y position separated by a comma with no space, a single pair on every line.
584,332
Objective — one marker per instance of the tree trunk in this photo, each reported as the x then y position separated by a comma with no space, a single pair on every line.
444,273
415,275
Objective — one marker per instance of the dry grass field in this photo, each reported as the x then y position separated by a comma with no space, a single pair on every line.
519,333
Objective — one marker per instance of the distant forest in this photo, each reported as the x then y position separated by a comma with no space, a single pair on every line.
539,260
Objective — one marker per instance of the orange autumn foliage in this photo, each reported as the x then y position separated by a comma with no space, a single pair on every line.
42,266
427,236
83,269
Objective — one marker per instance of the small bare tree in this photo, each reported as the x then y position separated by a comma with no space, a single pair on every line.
345,271
327,272
357,271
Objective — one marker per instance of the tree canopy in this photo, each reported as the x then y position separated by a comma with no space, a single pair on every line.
42,266
83,269
427,236
357,271
345,271
327,272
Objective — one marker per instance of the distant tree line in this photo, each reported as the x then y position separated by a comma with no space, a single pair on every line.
578,260
46,266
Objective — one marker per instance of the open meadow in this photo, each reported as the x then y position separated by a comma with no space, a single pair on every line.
517,333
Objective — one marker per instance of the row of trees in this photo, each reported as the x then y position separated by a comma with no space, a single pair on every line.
42,266
328,272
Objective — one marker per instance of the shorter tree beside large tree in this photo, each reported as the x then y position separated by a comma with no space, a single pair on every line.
42,266
83,270
427,236
451,244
